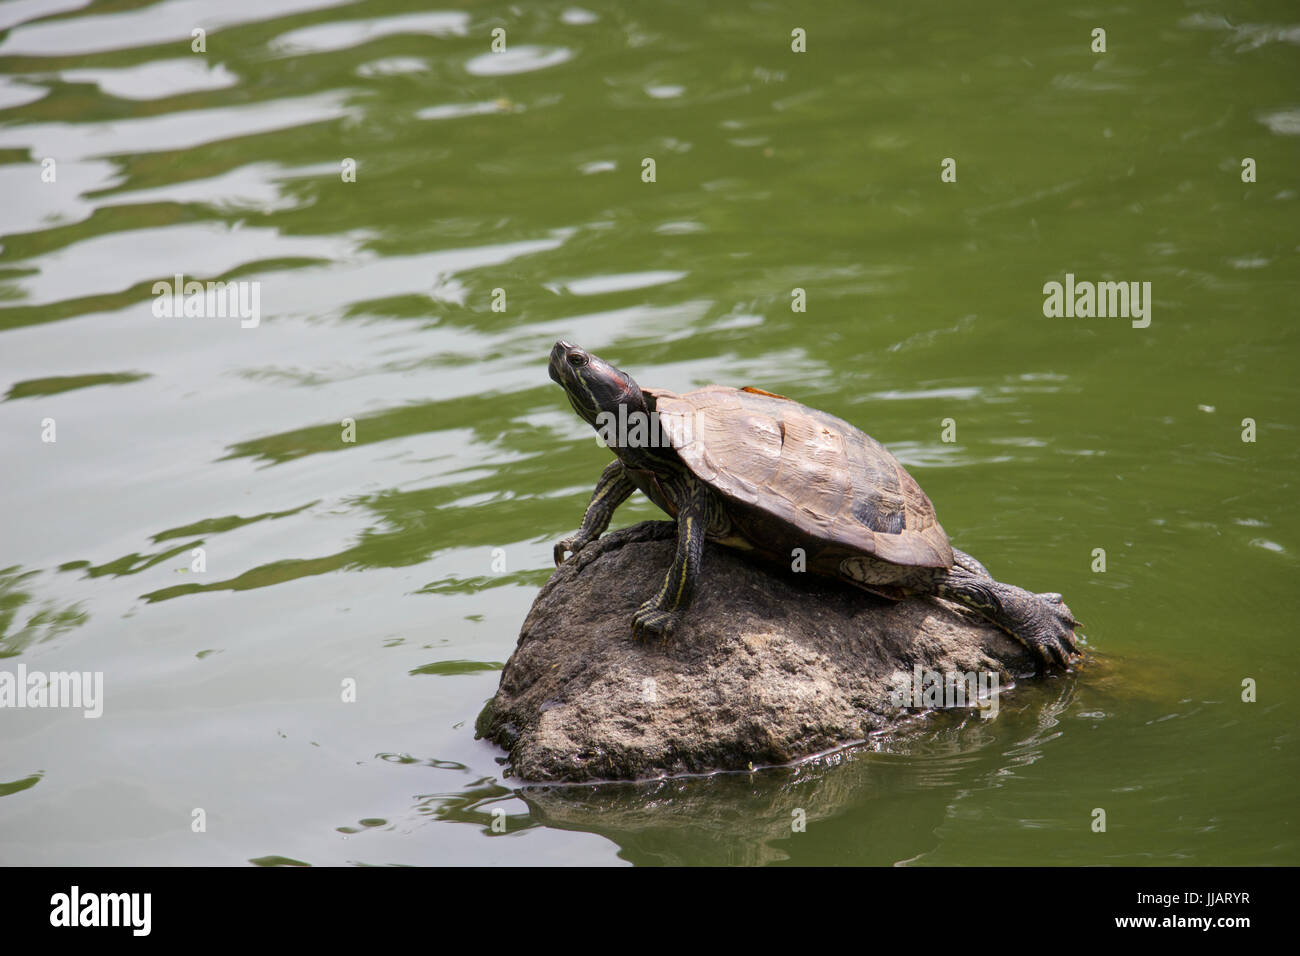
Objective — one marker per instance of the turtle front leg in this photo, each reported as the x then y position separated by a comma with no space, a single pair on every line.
659,615
612,490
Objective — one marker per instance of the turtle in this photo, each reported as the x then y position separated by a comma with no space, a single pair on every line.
755,471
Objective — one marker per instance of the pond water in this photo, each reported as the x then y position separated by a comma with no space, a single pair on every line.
375,173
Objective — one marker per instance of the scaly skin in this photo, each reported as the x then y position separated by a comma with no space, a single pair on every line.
1041,622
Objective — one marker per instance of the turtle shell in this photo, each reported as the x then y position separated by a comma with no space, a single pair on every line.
813,471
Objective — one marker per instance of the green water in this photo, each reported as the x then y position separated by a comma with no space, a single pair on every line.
376,561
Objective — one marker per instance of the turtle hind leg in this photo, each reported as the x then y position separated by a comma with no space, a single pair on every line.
1041,622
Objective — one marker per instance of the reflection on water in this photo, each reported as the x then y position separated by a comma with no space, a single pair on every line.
27,619
365,487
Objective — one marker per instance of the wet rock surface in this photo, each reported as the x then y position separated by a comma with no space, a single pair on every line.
766,667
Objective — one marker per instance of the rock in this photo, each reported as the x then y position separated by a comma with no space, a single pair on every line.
765,668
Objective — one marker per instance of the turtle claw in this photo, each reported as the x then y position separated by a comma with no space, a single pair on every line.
573,544
649,621
1051,634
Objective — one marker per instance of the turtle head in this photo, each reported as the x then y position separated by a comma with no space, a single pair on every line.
602,394
592,384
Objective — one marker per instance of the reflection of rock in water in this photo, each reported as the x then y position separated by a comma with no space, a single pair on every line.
728,818
879,803
765,668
